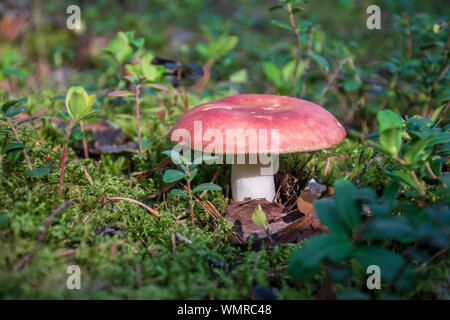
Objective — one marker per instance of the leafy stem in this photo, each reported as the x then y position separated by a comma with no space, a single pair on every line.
79,105
138,117
63,156
16,136
85,147
298,47
188,182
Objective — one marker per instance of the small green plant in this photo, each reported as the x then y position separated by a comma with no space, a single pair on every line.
79,105
186,170
355,238
215,49
141,74
292,70
13,150
259,218
418,146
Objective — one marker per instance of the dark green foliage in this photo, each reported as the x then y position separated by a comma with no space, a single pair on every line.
391,186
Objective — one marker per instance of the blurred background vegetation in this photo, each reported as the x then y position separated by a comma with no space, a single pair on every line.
181,53
38,49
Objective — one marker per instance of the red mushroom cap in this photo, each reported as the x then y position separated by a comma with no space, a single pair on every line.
301,125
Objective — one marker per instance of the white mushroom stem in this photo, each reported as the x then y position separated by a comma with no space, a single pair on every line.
247,182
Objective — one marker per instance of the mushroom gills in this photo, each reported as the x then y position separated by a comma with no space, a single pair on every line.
247,182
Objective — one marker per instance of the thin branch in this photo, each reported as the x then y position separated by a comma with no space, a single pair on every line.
144,174
298,46
417,182
409,45
63,156
138,118
333,77
214,178
41,236
85,147
188,181
151,210
307,62
434,256
86,173
366,166
442,72
205,204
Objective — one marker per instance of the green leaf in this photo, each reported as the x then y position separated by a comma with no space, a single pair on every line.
173,175
137,43
206,186
437,112
275,7
296,10
75,102
390,128
179,192
400,176
373,107
218,46
273,73
78,135
387,120
149,70
328,214
9,104
135,70
414,149
38,172
176,157
390,227
13,72
13,146
321,61
146,144
193,173
305,262
120,93
14,155
157,86
119,46
287,72
281,24
79,103
366,195
13,111
439,138
240,76
390,194
259,217
345,195
351,85
391,265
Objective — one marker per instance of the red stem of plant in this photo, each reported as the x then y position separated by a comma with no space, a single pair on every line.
85,148
188,182
63,156
269,238
138,118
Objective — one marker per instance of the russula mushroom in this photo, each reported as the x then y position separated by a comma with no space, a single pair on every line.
249,127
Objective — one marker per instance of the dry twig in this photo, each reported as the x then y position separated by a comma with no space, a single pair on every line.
151,210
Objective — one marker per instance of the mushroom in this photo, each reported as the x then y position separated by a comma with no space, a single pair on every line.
280,124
